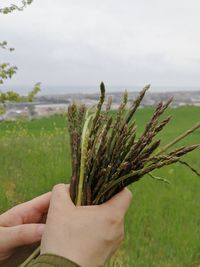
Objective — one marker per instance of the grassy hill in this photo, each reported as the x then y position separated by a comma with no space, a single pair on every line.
163,223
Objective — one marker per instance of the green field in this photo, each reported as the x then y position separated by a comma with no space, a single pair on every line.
163,223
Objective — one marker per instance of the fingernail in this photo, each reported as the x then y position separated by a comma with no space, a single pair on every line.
40,229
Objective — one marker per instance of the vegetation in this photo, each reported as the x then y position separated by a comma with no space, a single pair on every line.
7,71
108,156
12,96
12,7
162,225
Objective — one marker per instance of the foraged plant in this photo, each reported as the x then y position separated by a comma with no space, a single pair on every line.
106,153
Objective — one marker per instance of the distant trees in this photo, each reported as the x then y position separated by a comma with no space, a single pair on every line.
6,70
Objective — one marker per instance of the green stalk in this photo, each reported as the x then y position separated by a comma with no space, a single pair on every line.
84,146
33,256
158,178
179,138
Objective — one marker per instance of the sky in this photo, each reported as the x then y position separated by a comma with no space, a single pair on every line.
73,43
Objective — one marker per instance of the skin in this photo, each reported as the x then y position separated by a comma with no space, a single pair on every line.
22,225
87,235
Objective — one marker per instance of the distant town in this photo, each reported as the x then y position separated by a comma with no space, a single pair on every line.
54,104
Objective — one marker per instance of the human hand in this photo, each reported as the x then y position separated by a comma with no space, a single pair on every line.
87,235
22,225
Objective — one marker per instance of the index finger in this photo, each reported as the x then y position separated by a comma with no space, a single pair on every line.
28,212
61,196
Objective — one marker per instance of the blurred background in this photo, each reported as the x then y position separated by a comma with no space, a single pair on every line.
63,50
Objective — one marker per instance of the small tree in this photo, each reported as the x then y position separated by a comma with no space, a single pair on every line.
7,71
9,96
36,89
13,96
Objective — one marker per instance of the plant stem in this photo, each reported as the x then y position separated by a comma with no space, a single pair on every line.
84,146
179,138
34,255
158,178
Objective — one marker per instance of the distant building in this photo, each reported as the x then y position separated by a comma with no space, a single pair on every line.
14,114
43,110
45,106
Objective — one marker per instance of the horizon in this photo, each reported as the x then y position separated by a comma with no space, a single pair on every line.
89,89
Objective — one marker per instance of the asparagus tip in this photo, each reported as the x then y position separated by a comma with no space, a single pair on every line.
102,88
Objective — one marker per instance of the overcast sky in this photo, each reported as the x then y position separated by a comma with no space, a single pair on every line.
81,42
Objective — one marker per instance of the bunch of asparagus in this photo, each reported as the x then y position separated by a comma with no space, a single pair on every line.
106,153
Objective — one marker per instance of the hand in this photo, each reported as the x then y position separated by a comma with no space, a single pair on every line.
22,225
87,235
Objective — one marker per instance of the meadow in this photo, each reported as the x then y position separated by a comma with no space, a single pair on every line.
163,222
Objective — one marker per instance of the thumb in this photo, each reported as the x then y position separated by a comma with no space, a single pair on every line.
120,201
24,234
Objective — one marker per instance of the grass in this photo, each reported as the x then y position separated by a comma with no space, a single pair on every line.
163,222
